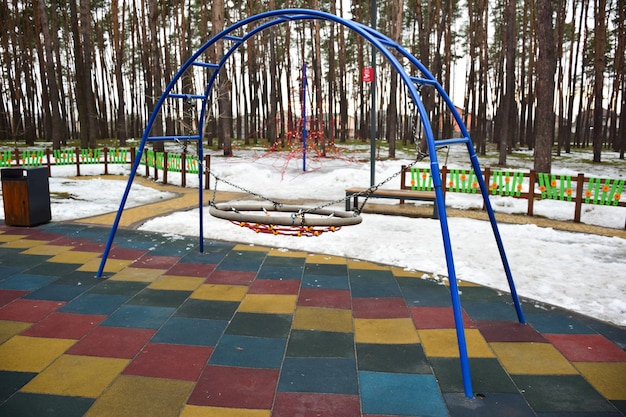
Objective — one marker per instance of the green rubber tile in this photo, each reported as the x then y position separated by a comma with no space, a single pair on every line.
305,343
392,358
30,405
488,376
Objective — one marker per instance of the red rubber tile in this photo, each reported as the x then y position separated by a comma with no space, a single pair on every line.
6,296
587,348
314,405
126,254
508,331
112,342
273,286
155,262
231,277
311,297
437,318
170,361
191,270
65,325
379,308
225,386
30,311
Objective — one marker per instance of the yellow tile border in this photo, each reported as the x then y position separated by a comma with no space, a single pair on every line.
529,358
385,331
268,303
444,343
323,319
200,411
220,292
326,259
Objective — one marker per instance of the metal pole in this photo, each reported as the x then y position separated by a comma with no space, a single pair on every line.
373,110
303,117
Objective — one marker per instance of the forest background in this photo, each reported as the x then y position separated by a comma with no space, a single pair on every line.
545,75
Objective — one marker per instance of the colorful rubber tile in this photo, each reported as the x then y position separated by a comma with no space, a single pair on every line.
557,322
249,352
207,309
112,342
219,292
234,387
320,344
90,303
11,382
191,270
326,282
8,329
160,298
424,293
328,298
8,296
608,378
170,361
444,343
131,395
64,325
385,331
31,354
400,394
227,277
321,375
26,282
379,308
74,257
488,405
137,274
324,319
155,262
587,348
28,405
532,358
373,283
487,374
272,286
437,318
30,311
77,376
508,331
289,404
268,303
191,331
400,358
139,316
245,261
260,325
198,411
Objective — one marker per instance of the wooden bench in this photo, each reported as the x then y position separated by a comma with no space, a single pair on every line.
353,194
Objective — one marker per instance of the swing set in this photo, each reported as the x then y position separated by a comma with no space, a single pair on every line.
277,218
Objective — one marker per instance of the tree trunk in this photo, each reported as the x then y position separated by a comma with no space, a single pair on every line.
544,127
598,67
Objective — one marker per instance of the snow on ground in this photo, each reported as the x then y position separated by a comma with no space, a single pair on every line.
580,272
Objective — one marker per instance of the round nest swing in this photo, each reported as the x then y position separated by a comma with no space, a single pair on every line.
296,221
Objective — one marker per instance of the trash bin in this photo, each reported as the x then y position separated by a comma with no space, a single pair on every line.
26,196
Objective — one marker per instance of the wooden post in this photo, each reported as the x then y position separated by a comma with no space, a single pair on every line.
532,177
77,153
183,169
165,160
444,180
105,151
48,162
578,201
207,170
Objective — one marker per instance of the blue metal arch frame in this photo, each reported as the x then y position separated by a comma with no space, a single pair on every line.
386,47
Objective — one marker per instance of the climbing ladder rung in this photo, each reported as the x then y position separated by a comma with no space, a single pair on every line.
452,141
423,81
205,64
233,38
186,96
164,138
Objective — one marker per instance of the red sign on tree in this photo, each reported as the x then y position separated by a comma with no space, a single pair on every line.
367,74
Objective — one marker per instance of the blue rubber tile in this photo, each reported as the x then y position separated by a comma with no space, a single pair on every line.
284,261
139,317
610,414
318,344
376,283
80,278
7,271
557,322
190,331
30,405
424,293
280,272
326,269
260,325
322,375
249,352
561,393
94,304
489,311
214,253
56,292
207,309
16,259
26,282
248,261
327,282
400,394
392,358
489,405
160,298
11,382
487,374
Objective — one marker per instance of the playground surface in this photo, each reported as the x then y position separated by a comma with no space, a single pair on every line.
244,330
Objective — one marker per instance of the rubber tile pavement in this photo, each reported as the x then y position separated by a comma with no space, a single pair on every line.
248,331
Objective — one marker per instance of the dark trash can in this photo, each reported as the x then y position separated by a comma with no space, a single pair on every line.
26,196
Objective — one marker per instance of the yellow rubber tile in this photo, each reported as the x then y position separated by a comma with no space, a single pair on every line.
8,329
532,359
326,259
6,237
324,319
609,378
74,257
385,331
141,396
252,248
31,354
111,265
358,264
22,243
46,250
219,292
268,303
138,274
407,273
77,376
443,343
197,411
286,253
175,282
